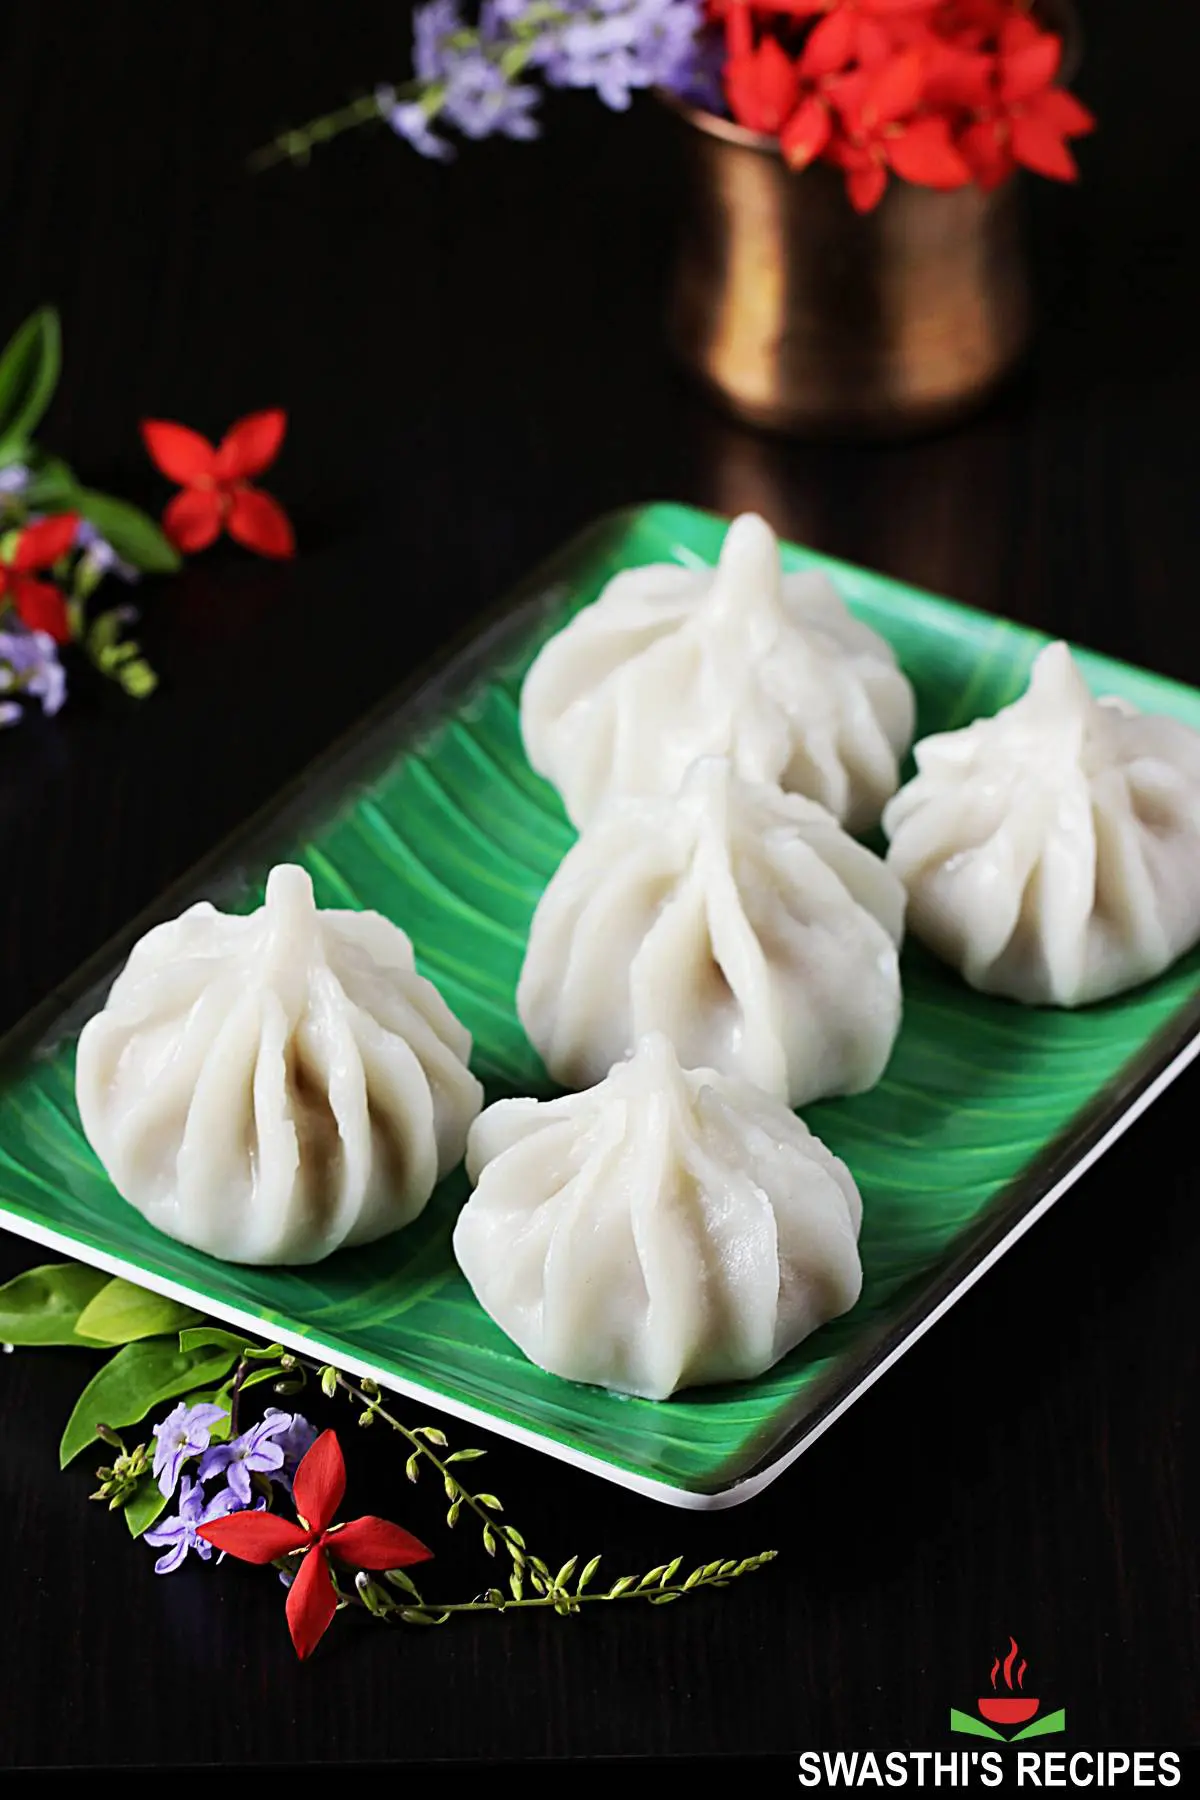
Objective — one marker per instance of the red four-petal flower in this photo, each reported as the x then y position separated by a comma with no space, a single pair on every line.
879,132
367,1543
216,482
1019,116
827,77
39,603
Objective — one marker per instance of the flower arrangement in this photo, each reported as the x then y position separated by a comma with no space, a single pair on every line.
59,540
210,1478
942,93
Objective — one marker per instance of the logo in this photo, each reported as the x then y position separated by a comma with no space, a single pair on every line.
1008,1706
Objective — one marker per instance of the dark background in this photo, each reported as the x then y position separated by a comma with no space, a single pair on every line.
474,367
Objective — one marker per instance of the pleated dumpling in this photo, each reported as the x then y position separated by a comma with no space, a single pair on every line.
270,1087
741,921
1052,853
673,663
665,1228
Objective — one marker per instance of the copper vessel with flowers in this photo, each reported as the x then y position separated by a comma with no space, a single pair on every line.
851,256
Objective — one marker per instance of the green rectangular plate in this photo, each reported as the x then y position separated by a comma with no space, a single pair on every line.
432,815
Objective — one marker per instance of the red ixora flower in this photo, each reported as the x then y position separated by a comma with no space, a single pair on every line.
849,30
263,1537
39,603
762,85
1019,116
878,131
216,482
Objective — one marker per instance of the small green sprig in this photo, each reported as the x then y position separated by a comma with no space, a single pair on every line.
531,1584
120,1481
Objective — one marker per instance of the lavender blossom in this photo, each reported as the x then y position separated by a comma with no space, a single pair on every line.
29,665
409,119
179,1534
295,1438
615,46
474,93
185,1432
14,479
253,1453
10,714
470,77
100,555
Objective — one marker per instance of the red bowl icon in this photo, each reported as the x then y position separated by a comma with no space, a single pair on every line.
1007,1711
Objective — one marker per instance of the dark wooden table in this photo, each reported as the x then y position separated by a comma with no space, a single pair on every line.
473,363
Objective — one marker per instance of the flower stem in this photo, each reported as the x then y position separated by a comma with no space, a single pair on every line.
297,145
513,1542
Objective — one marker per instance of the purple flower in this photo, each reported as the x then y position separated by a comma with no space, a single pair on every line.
482,102
433,26
477,96
295,1438
179,1533
10,713
14,479
409,120
255,1452
100,553
29,664
616,46
183,1433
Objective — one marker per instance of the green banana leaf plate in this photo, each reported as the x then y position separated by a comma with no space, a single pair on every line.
432,815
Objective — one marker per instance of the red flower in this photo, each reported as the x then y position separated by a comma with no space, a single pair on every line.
216,484
1018,115
263,1537
762,85
39,603
878,132
850,30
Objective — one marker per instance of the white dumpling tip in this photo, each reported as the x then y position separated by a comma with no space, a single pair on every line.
672,663
742,921
1052,852
750,553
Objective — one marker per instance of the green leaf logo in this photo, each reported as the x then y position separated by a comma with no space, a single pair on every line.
1008,1706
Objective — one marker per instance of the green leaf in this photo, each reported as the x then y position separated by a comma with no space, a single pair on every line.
135,1379
199,1337
53,486
972,1727
1055,1721
43,1305
29,369
272,1374
132,533
144,1505
121,1313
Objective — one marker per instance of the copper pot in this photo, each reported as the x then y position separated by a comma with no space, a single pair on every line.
801,315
